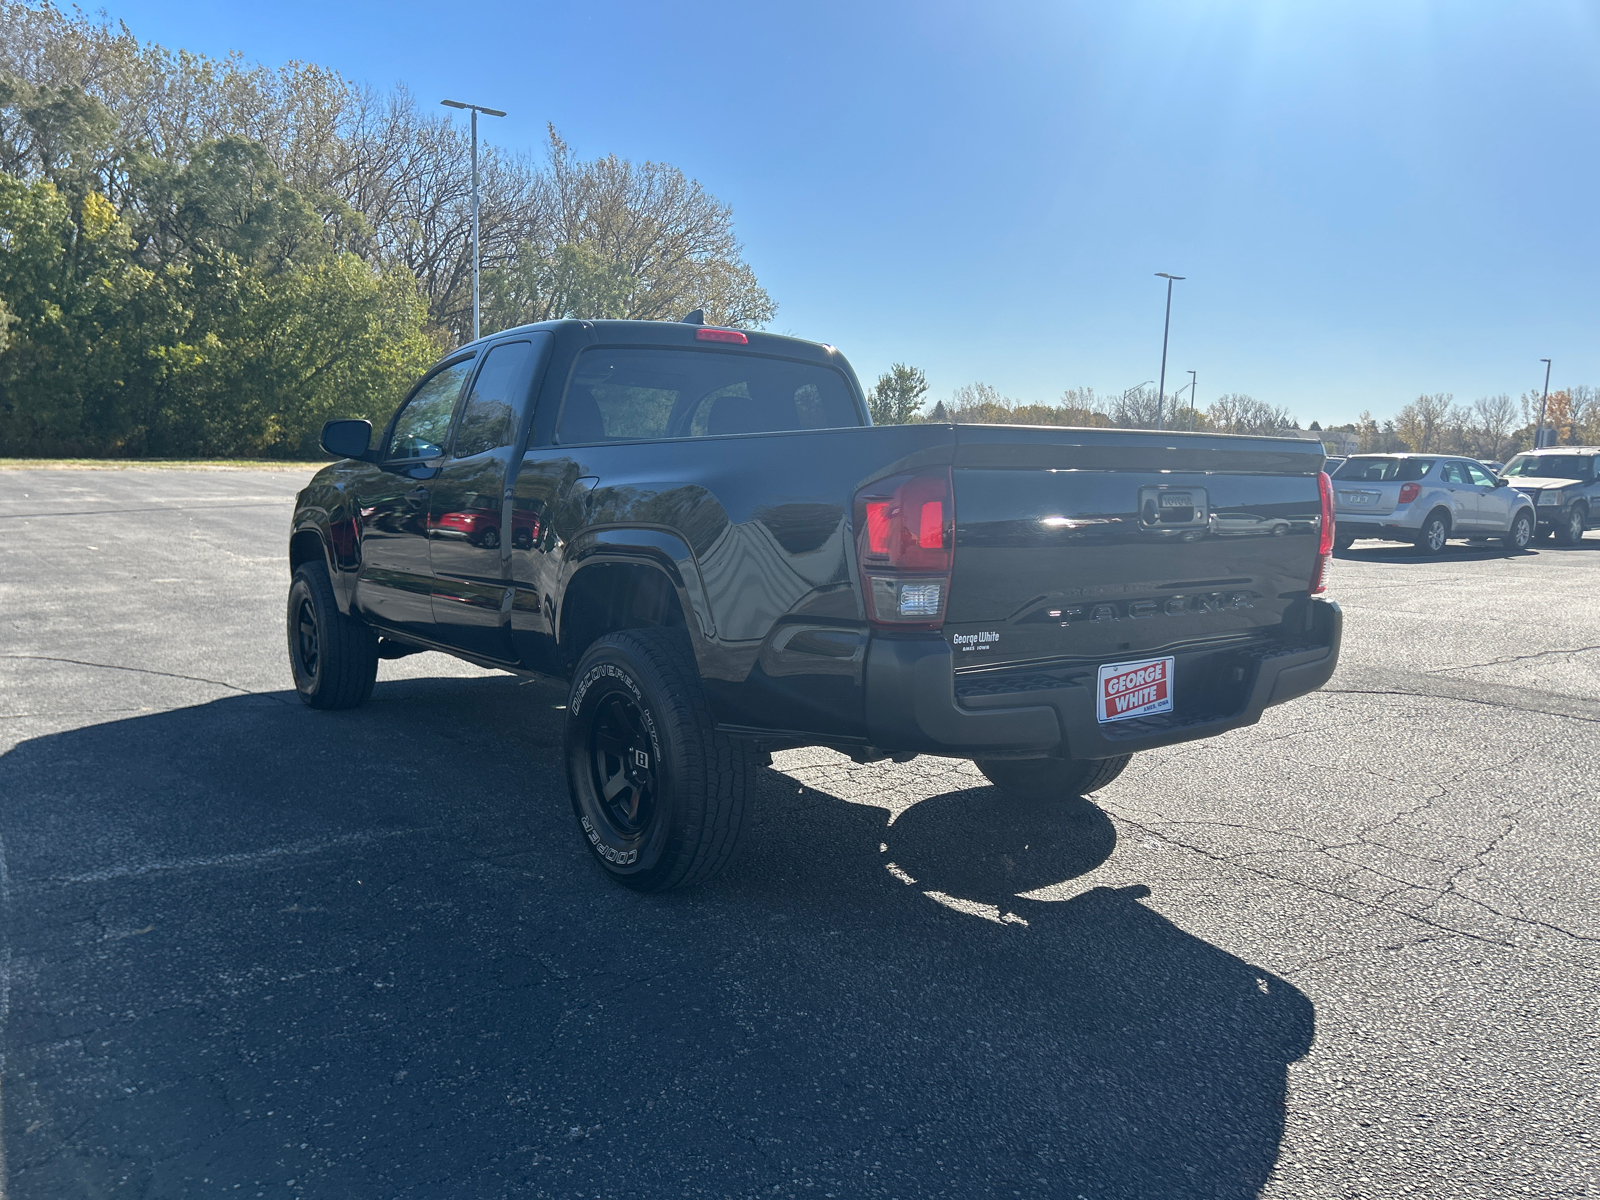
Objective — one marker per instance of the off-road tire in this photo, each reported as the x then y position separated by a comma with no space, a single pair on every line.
1520,535
1569,529
1051,778
1435,532
689,809
333,657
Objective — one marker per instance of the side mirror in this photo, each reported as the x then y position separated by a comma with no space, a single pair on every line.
347,439
1501,481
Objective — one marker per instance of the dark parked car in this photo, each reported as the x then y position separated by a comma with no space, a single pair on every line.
723,558
1564,484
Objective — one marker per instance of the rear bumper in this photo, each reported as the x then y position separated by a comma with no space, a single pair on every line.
916,702
1402,524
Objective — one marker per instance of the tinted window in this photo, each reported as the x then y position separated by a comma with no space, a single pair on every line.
1549,466
421,427
624,394
490,419
1377,469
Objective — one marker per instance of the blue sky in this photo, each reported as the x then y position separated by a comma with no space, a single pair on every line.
1369,200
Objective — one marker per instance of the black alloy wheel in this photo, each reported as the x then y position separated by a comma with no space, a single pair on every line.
623,757
658,791
305,639
333,657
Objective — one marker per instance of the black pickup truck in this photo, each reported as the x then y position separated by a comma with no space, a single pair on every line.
701,530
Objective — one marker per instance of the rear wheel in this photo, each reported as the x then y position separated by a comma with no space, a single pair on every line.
1569,529
659,794
1342,542
1520,535
1051,778
334,657
1435,532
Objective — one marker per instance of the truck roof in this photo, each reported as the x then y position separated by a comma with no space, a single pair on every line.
673,333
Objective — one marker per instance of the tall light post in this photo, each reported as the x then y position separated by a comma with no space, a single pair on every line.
488,112
1161,390
1192,382
1538,430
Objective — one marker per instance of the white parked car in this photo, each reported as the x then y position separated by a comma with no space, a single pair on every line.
1426,499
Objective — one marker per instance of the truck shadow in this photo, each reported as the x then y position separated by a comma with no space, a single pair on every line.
364,954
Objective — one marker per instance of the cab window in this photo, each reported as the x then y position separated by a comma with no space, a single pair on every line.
421,427
634,394
489,420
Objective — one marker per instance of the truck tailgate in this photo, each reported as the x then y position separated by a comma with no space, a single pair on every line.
1099,545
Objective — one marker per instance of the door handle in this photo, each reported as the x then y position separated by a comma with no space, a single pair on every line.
417,497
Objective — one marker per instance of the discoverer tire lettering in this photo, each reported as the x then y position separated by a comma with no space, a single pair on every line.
658,792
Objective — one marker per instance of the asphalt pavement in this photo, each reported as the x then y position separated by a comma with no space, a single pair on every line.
247,949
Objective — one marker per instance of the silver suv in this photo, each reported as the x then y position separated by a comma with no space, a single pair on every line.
1426,499
1565,490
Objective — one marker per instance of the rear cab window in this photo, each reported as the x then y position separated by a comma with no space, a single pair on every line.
618,393
1384,469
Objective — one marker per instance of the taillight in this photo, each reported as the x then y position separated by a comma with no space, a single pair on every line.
1409,492
905,542
1319,573
721,335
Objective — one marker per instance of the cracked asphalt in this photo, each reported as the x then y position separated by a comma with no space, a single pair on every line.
251,950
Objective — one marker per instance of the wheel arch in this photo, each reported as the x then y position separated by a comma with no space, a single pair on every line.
309,543
629,579
306,545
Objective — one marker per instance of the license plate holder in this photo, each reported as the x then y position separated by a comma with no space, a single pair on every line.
1141,688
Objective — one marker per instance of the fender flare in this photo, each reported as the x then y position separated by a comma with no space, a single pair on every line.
661,549
317,522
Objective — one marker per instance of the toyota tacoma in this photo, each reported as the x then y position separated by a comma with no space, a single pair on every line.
701,532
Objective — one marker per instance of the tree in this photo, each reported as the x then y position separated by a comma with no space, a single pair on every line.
1369,434
898,395
1421,423
1238,413
1493,418
82,315
203,255
567,237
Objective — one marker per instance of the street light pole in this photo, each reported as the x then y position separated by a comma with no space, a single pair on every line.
1191,400
1538,431
491,112
1161,389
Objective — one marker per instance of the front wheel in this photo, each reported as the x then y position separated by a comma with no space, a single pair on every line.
1435,532
1569,529
334,657
658,792
1051,778
1520,536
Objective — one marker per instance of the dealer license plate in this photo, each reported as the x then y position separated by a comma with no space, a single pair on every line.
1135,689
